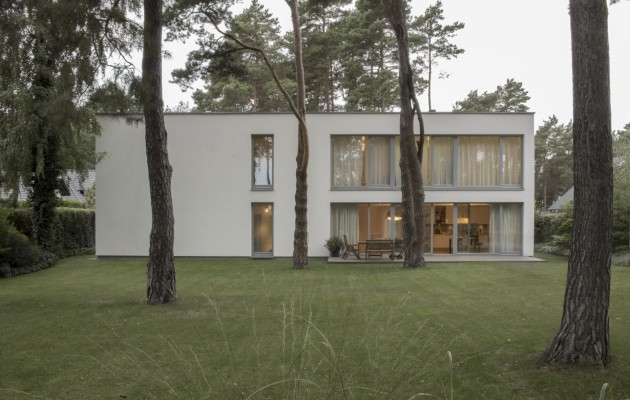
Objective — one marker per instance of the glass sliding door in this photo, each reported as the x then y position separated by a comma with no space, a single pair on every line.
443,229
345,221
262,230
505,233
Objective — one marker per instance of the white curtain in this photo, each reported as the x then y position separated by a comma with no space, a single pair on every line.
347,153
505,228
345,220
511,228
442,160
478,161
512,160
379,161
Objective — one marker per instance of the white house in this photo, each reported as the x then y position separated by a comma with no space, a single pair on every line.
234,182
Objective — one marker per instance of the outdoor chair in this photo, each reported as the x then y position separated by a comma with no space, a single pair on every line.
350,248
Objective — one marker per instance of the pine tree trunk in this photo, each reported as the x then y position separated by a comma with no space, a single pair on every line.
300,234
161,267
583,337
412,190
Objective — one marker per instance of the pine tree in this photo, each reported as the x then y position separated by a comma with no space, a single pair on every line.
410,156
583,337
368,66
322,39
511,97
235,80
430,39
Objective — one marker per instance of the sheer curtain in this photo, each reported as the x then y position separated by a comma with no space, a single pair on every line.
511,228
478,160
505,228
379,161
347,153
345,220
442,160
512,160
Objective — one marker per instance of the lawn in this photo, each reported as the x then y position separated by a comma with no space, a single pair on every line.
257,329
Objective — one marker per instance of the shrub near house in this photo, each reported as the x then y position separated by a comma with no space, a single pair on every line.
74,235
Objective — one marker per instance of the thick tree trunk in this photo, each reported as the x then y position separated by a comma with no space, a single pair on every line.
583,337
161,268
300,234
412,189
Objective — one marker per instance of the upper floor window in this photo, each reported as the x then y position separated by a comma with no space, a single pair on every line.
473,161
363,161
448,161
262,161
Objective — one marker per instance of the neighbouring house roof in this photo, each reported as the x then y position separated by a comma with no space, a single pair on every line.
562,201
75,184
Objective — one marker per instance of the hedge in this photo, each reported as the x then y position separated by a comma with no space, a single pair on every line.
74,229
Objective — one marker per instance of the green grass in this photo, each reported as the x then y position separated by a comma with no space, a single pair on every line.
242,328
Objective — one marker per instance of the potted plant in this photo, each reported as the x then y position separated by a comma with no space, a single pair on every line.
334,244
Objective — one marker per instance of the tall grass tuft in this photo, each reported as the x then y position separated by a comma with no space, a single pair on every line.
282,353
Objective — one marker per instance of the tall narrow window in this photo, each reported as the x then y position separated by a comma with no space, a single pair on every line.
262,161
262,230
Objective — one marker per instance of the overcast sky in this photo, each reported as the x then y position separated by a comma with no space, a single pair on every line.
529,41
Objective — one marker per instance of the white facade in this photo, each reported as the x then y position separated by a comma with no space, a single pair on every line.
211,156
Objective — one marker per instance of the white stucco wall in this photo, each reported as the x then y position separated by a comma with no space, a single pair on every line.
212,196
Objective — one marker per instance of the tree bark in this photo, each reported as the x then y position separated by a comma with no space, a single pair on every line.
583,337
300,234
411,185
161,267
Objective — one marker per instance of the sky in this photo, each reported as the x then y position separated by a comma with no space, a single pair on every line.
529,41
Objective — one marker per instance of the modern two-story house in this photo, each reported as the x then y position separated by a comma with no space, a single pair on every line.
234,182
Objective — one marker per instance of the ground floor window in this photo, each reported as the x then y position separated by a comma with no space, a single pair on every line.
454,228
262,230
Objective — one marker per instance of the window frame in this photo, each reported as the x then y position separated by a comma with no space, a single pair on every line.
254,186
261,254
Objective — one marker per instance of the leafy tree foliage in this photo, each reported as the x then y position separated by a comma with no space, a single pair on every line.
431,42
117,97
511,97
554,161
51,54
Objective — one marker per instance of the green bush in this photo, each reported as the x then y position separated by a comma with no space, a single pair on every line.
546,225
17,254
74,229
22,220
